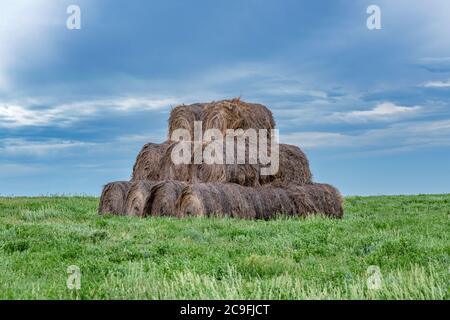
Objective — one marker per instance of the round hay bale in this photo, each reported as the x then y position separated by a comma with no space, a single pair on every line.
137,197
236,114
184,116
113,197
147,165
228,199
163,197
266,202
317,198
273,202
293,168
168,170
243,174
210,199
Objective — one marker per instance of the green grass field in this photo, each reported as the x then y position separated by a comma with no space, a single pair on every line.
407,237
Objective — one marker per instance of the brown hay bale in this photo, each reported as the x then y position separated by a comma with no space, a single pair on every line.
209,199
228,199
137,197
163,197
113,197
236,114
293,168
183,117
272,202
243,174
147,165
317,198
181,172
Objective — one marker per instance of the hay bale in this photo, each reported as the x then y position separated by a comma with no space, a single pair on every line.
137,197
317,198
168,170
243,174
236,114
183,117
113,197
271,202
228,199
210,199
163,197
266,202
293,168
147,165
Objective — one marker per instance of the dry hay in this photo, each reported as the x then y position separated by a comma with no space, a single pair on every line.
227,199
209,199
317,198
137,197
163,197
147,165
159,187
246,174
293,168
270,202
113,197
236,114
168,170
183,117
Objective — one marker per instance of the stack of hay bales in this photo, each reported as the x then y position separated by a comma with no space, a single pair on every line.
158,187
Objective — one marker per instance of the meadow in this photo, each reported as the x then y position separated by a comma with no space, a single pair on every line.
406,237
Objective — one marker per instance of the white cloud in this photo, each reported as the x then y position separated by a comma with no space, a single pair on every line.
13,146
437,84
410,135
385,111
13,115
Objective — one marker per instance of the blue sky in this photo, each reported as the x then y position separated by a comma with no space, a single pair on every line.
371,108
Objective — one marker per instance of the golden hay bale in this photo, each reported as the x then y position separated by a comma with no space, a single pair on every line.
183,117
147,165
236,114
113,197
293,168
227,199
137,197
163,197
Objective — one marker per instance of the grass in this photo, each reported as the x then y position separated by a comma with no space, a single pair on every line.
407,237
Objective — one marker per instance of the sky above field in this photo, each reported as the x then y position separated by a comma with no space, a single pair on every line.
371,108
